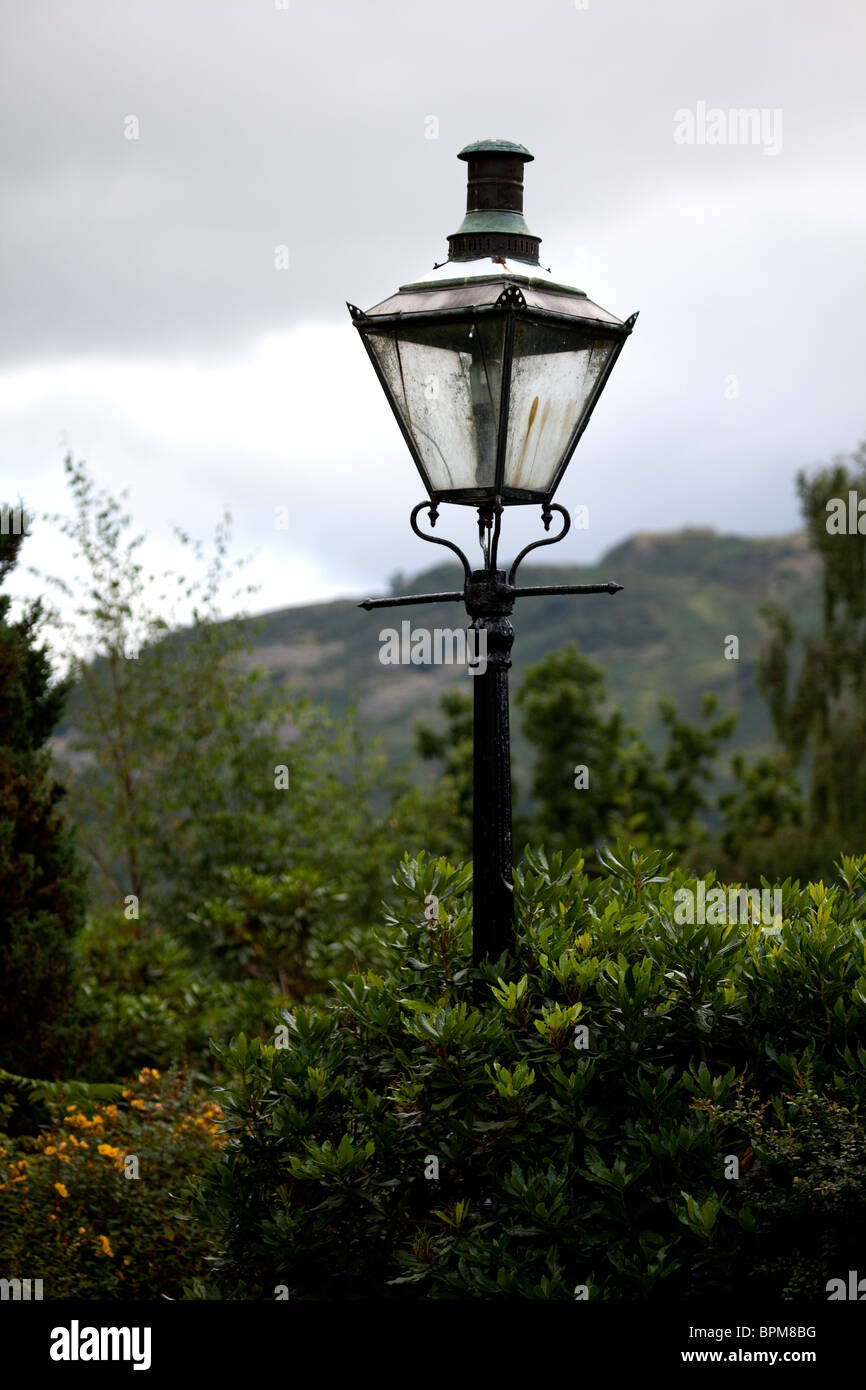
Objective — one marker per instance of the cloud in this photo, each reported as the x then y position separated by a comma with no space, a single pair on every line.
147,327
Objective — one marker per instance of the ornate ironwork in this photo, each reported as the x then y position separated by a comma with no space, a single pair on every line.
433,509
547,511
482,585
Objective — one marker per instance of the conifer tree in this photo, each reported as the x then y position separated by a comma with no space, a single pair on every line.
41,893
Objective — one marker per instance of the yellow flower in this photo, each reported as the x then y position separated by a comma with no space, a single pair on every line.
81,1231
112,1111
50,1149
139,1104
106,1246
108,1151
59,1187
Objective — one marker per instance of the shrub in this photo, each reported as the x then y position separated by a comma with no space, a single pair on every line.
804,1178
76,1220
146,1000
559,1123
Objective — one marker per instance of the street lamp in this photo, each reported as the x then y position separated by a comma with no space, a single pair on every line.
492,368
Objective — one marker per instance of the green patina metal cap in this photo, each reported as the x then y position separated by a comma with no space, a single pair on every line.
495,147
494,224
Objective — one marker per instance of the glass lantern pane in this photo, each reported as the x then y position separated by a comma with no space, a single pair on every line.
554,372
446,381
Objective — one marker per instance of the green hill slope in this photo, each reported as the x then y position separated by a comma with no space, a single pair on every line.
685,592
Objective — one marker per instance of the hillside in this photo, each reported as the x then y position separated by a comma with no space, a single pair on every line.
685,591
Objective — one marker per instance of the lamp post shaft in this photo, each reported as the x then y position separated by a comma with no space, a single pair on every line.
490,602
489,597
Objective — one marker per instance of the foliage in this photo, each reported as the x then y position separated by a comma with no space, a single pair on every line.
815,688
804,1178
452,748
762,820
687,766
626,788
146,999
562,703
41,898
542,1127
207,797
76,1220
143,708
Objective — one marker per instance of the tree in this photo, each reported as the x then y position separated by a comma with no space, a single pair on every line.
595,779
815,688
687,768
763,817
198,779
41,890
820,712
576,778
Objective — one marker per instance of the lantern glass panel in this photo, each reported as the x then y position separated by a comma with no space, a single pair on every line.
555,370
445,381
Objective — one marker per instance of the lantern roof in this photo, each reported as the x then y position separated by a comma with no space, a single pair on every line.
488,289
465,272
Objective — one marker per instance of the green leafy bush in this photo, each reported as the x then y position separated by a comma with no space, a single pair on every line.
559,1124
146,1000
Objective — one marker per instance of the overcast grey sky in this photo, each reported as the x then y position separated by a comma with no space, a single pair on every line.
146,327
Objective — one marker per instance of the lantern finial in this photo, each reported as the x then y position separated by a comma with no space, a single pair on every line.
494,223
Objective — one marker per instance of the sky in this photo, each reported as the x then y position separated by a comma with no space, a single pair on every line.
193,189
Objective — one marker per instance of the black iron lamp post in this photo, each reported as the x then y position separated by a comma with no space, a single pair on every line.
492,369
